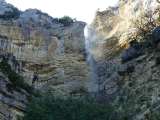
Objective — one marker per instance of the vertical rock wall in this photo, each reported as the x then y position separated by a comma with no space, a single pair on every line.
44,51
114,27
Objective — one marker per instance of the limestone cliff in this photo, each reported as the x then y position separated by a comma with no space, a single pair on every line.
126,75
109,34
43,50
50,54
112,29
11,103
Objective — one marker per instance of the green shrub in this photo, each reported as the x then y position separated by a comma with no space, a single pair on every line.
48,107
152,115
17,81
132,42
66,20
15,13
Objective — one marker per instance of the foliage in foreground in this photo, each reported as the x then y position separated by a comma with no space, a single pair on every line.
48,107
17,81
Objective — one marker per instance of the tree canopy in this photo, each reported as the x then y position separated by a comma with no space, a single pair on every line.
48,107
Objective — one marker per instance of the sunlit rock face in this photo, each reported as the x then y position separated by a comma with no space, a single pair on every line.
108,35
45,51
132,75
113,28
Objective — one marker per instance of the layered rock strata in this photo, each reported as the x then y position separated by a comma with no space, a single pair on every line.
43,50
126,75
11,103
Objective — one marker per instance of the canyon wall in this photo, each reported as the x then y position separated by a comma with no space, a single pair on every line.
11,103
112,29
110,33
49,54
44,51
126,74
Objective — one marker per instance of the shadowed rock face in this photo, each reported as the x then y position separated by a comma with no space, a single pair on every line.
45,51
11,103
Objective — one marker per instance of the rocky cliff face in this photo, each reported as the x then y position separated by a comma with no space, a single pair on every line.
113,28
11,103
51,55
129,76
140,85
110,33
43,50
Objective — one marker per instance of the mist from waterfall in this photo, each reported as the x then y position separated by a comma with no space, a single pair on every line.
90,46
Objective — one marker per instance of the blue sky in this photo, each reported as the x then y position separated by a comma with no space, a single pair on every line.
82,10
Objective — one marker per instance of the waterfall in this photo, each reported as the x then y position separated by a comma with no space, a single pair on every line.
90,43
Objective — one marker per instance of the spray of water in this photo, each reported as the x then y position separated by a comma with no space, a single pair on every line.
90,43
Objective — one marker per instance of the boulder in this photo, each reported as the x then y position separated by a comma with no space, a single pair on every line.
156,34
125,68
129,54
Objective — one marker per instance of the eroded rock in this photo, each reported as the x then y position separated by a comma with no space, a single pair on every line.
42,49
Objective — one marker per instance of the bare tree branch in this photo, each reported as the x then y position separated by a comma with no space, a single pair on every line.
158,1
146,23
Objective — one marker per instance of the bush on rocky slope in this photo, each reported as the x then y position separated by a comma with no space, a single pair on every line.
15,13
17,83
66,20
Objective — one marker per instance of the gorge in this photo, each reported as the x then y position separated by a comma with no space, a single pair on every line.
52,54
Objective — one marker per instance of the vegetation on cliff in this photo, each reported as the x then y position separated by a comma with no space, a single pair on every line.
66,20
17,82
15,13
